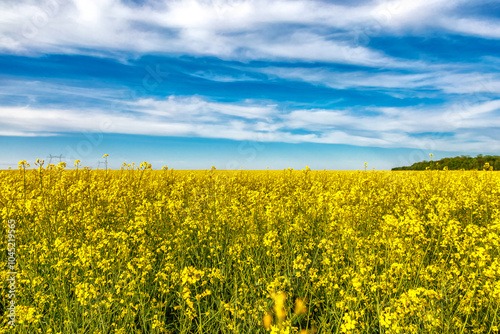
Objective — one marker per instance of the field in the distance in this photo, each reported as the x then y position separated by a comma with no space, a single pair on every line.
142,251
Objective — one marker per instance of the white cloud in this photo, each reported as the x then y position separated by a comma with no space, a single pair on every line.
231,29
213,76
175,116
187,108
472,127
435,78
473,27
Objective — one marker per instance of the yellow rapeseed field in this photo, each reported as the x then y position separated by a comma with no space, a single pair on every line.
163,251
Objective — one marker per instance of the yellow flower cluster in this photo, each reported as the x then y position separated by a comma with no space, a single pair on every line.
138,250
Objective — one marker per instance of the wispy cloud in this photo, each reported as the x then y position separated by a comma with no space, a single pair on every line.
181,116
296,30
474,27
453,81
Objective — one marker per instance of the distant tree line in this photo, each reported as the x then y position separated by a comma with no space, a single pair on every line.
489,162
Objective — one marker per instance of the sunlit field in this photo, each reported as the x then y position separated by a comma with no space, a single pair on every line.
167,251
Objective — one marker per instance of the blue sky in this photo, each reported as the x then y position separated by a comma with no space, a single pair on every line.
237,83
